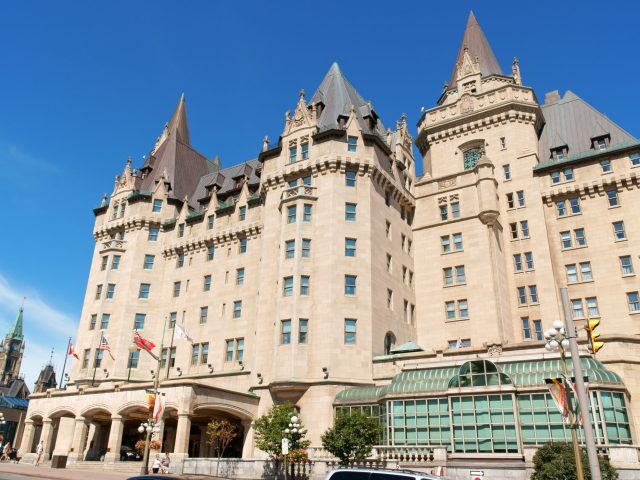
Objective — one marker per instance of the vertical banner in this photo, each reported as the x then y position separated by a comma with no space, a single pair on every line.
158,412
559,395
151,401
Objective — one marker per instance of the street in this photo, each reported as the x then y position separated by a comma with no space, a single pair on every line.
12,471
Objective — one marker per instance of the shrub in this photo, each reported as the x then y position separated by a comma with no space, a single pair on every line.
352,436
556,461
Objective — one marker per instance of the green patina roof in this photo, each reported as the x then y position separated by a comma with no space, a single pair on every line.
570,159
522,374
16,329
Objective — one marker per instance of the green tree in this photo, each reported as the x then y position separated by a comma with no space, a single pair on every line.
269,430
556,461
220,433
352,436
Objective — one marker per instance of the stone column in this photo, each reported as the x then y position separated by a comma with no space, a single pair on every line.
47,437
91,437
115,439
27,437
77,443
182,434
203,442
247,445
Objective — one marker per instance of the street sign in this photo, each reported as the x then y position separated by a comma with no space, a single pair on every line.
476,474
285,446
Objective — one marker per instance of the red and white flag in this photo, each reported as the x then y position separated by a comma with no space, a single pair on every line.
104,345
143,343
72,351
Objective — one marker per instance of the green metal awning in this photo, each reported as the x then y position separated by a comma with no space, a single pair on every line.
523,374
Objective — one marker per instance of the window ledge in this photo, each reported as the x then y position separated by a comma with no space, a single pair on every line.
453,285
573,248
519,239
454,320
637,312
453,251
620,240
614,206
568,215
580,282
629,275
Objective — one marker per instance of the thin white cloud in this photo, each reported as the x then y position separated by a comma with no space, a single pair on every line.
25,161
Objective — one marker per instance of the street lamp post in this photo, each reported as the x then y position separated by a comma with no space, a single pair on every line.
292,434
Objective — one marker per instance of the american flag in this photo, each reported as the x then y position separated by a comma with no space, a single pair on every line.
104,345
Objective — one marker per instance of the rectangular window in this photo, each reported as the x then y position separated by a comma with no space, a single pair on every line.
626,264
293,154
513,228
524,228
242,213
506,170
350,331
285,332
210,221
206,287
97,358
138,322
350,247
204,314
180,260
635,159
306,212
568,174
460,274
237,309
176,288
104,321
111,290
157,205
537,328
304,284
350,284
287,286
306,180
172,319
528,258
350,212
387,229
352,144
144,290
612,198
585,271
581,240
153,234
387,199
239,276
533,293
561,208
447,274
306,248
103,264
195,353
85,358
211,252
457,242
455,209
204,355
290,249
303,330
115,264
618,231
463,309
389,263
522,296
576,307
592,306
181,230
240,349
633,301
350,178
242,248
450,308
445,242
565,239
555,177
444,212
526,328
98,291
606,166
305,151
172,357
510,202
520,195
572,273
503,143
229,350
574,204
517,262
92,321
291,214
389,299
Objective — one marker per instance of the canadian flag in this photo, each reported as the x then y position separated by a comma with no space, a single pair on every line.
72,351
143,343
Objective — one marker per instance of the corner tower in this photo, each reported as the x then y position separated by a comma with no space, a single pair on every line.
12,350
477,205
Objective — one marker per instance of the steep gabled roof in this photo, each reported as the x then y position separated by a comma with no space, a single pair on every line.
573,122
478,46
174,156
338,97
16,328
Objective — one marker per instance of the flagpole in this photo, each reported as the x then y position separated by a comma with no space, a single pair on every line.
64,365
95,364
173,334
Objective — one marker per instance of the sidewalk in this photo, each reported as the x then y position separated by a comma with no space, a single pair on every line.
47,472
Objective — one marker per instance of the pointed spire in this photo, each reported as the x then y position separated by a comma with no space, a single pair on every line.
475,43
16,329
178,124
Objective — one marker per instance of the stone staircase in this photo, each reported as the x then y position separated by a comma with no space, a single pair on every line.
124,467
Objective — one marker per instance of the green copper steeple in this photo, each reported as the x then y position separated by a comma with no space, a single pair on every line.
16,330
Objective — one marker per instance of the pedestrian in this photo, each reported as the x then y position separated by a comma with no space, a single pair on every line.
155,468
39,450
166,462
5,451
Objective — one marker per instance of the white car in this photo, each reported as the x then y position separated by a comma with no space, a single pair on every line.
378,474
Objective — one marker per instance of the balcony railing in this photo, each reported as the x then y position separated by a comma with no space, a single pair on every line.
299,191
113,244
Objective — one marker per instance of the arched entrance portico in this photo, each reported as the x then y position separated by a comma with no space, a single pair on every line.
60,432
97,435
198,444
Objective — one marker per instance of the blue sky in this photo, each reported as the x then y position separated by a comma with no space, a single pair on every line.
86,84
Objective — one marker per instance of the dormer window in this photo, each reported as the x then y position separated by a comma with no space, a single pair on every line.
352,144
559,153
293,154
471,158
600,143
305,151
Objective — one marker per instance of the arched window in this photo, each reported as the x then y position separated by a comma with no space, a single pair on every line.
471,157
389,342
479,373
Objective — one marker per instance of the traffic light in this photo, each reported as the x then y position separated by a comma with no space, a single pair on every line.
592,336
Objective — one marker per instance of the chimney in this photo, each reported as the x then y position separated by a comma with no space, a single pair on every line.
551,97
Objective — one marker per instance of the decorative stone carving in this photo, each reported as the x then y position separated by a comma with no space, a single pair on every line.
494,350
466,104
442,200
449,182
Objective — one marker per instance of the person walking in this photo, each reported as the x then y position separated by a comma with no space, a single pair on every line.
155,468
5,451
39,450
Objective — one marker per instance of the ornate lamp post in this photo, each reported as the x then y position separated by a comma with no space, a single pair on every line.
291,436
